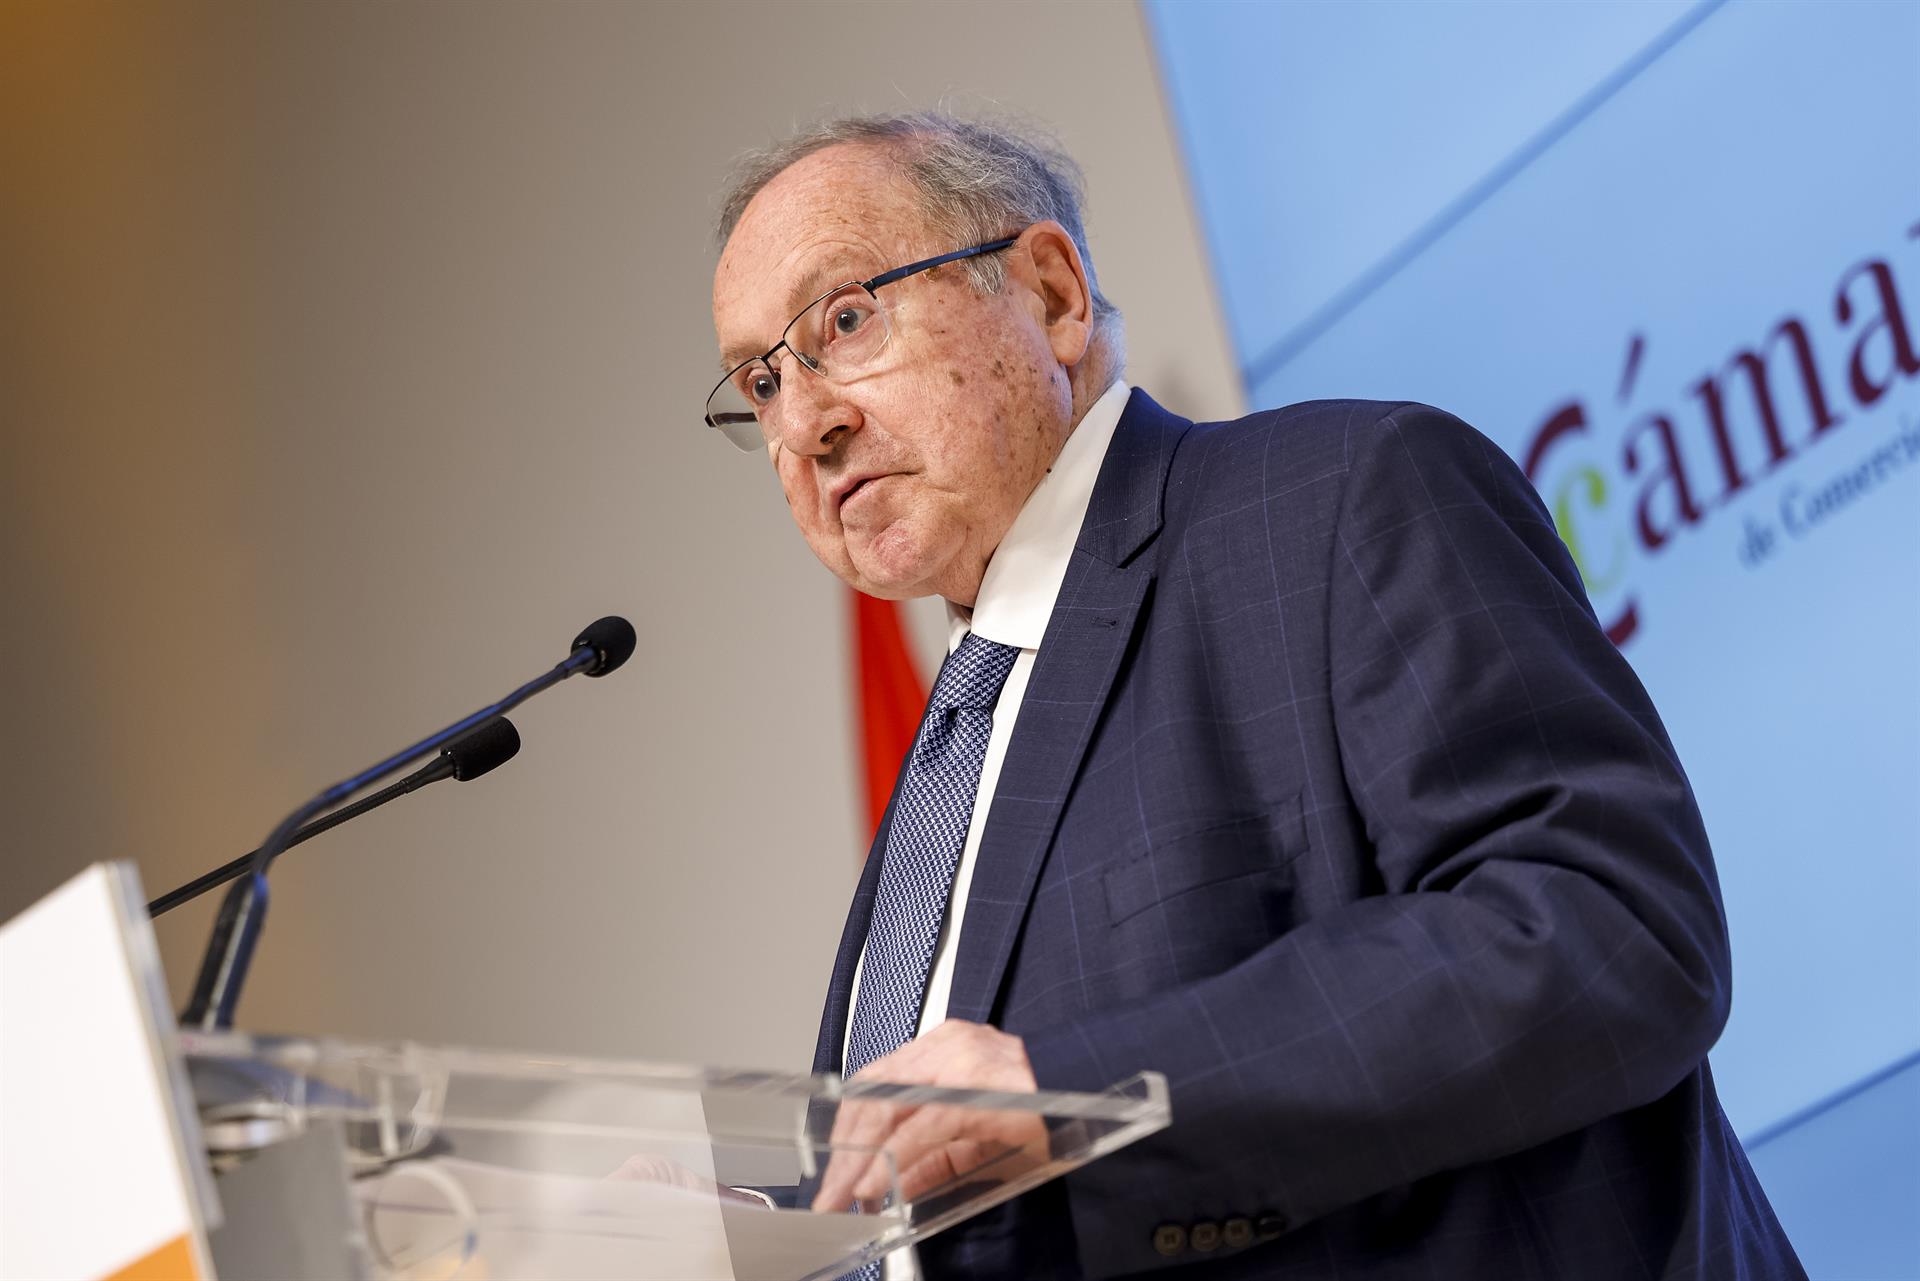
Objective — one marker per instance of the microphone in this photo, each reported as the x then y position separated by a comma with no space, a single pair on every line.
611,639
464,759
597,651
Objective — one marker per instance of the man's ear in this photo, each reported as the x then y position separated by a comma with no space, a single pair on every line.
1048,263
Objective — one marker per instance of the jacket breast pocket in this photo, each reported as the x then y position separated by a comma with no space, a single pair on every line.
1204,898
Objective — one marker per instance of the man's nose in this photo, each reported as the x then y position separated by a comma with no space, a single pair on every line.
814,415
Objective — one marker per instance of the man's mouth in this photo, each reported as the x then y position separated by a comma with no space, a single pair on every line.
857,485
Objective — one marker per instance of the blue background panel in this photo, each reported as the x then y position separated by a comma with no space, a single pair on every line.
1324,135
1405,205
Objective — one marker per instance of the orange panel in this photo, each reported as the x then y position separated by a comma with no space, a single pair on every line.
171,1262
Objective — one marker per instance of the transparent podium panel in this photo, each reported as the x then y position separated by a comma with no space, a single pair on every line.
451,1164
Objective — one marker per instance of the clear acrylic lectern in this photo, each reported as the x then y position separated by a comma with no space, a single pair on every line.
403,1161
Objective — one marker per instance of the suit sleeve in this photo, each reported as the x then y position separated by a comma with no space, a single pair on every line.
1547,946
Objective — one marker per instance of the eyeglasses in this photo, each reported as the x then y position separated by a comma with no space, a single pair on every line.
838,334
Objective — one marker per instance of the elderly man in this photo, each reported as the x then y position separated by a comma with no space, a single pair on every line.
1284,757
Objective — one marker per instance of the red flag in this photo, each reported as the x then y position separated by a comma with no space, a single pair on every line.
892,698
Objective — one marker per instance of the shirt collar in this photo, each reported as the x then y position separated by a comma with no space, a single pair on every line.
1025,572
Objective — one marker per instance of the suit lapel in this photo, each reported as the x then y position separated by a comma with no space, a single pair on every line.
853,937
1092,624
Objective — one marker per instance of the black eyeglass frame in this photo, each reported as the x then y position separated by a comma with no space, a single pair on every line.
871,286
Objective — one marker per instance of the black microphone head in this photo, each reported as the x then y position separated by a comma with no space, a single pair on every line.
487,746
612,641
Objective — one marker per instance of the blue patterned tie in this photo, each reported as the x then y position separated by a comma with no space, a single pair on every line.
929,828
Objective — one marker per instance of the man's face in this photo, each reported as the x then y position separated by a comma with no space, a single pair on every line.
904,477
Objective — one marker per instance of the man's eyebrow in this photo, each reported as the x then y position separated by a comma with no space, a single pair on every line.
810,286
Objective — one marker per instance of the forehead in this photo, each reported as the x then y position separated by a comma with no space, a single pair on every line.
842,213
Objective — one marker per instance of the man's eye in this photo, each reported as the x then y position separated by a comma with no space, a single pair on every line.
848,318
762,387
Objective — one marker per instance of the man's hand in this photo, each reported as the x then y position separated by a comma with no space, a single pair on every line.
933,1145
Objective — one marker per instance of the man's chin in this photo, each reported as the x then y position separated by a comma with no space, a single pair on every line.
889,587
889,568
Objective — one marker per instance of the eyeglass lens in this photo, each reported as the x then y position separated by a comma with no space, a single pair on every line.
837,336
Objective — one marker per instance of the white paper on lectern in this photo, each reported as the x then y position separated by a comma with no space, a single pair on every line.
548,1225
99,1167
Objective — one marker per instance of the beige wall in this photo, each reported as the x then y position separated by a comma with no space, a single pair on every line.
350,360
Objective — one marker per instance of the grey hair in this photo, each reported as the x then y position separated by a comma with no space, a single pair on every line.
978,181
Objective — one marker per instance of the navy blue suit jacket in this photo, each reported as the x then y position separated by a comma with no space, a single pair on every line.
1330,800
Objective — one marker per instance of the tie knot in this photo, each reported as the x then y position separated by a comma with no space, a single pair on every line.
973,673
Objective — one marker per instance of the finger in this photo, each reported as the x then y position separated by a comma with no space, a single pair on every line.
860,1120
856,1124
919,1134
845,1168
961,1162
936,1169
928,1130
862,1126
850,1169
860,1133
1008,1142
954,1053
963,1137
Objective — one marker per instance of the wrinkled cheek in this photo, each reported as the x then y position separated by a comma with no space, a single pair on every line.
824,538
832,546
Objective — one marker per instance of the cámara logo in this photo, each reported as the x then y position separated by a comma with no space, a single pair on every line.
1763,409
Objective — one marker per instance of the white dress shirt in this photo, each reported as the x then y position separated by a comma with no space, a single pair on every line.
1016,599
